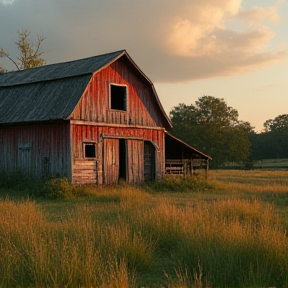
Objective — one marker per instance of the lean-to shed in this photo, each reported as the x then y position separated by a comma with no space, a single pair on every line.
93,120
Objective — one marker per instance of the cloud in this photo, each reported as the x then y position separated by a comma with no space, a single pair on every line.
187,34
6,2
171,41
259,15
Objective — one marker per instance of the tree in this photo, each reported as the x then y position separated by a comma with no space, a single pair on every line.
278,129
214,128
263,146
30,52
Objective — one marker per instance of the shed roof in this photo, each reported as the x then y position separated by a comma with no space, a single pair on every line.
51,92
177,149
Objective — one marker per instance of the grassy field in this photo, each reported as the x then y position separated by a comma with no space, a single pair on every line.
177,233
272,164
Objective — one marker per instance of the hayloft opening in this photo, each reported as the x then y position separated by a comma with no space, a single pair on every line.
118,97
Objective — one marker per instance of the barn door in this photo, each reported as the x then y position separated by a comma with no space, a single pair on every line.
149,161
25,159
111,161
135,161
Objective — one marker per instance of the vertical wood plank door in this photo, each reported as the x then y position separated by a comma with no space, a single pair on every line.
111,161
25,159
149,161
135,161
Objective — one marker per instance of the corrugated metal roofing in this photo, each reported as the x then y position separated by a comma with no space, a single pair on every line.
41,101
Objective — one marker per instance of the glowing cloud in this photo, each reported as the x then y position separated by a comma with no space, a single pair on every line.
209,34
172,41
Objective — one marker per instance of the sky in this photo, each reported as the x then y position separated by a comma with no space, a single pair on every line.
231,49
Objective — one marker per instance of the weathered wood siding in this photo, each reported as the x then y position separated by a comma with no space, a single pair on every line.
94,122
105,166
111,161
142,108
39,149
84,171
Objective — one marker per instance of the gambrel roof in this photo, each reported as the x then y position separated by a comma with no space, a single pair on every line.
51,92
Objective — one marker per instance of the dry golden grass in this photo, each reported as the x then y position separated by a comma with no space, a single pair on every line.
255,181
125,237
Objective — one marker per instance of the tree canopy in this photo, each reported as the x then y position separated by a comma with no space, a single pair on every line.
30,52
272,142
214,128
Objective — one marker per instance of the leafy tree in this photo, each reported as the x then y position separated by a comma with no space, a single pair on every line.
278,129
30,52
263,146
277,124
214,128
272,142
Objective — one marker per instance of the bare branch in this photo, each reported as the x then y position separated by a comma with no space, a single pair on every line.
3,53
30,54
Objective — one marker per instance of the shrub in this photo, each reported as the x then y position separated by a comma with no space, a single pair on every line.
59,188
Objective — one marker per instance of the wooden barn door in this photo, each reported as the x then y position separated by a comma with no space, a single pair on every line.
135,161
111,161
149,161
25,159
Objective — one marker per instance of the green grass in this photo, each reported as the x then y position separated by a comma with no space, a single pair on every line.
230,232
271,164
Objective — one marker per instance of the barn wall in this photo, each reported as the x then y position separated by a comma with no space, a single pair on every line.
104,168
142,107
37,149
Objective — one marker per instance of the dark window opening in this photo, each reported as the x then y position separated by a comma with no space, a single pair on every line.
90,151
122,159
118,97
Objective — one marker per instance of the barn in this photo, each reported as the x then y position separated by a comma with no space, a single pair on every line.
94,121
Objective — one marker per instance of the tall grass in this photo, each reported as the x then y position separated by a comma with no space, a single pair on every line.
126,237
76,252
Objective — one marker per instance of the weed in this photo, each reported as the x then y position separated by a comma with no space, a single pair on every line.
59,188
180,184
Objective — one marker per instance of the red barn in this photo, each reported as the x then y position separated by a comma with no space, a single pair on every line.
93,120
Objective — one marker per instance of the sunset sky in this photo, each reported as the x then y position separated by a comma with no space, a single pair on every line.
231,49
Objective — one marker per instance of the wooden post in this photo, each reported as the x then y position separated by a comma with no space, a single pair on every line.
207,169
191,167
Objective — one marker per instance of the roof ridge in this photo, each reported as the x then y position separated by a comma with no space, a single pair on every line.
59,70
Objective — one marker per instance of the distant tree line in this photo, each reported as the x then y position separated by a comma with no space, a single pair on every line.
273,141
213,127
